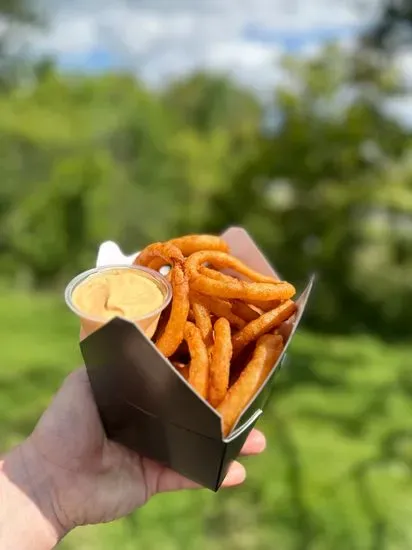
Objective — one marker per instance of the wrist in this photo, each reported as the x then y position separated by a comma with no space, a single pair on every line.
28,519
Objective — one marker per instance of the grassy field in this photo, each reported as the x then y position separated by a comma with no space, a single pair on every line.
337,473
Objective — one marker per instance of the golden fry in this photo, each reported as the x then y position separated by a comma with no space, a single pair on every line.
172,335
258,306
195,243
268,350
265,305
221,356
215,274
161,253
264,324
236,289
202,319
191,316
222,308
156,264
244,311
235,265
199,363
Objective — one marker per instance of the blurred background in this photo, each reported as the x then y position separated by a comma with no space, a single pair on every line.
141,120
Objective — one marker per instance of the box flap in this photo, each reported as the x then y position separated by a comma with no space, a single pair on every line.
144,377
123,360
243,247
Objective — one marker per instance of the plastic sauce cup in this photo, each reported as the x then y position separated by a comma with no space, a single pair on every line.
147,323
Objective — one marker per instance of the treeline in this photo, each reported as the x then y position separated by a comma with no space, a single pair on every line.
322,177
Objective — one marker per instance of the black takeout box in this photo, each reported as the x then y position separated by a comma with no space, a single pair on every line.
146,405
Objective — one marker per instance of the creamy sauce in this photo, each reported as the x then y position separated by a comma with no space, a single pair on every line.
118,293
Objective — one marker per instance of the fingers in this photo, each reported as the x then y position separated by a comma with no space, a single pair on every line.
171,481
235,476
255,444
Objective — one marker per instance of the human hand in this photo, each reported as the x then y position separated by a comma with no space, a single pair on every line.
91,479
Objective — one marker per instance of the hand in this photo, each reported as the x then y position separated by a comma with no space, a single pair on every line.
92,479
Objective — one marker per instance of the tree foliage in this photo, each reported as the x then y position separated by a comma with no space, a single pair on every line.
323,181
394,26
326,189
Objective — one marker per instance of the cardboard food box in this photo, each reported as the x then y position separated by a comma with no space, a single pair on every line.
146,405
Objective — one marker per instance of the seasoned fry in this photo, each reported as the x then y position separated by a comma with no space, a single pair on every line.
285,329
195,243
156,264
265,305
268,349
215,274
225,327
244,311
222,308
191,316
238,266
220,362
199,364
237,288
202,318
264,324
162,253
172,335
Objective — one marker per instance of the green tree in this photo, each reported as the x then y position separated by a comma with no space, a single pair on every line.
16,16
314,189
220,124
394,26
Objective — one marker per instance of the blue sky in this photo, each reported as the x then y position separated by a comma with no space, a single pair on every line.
295,41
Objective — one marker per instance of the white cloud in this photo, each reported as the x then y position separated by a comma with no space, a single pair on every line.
74,35
404,65
400,108
163,38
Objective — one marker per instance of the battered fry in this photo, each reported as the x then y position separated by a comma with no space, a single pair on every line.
199,363
268,350
265,305
219,276
240,267
221,308
264,324
245,301
194,243
236,289
160,254
220,362
202,318
244,311
173,333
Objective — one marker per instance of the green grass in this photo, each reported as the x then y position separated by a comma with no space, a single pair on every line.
337,472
